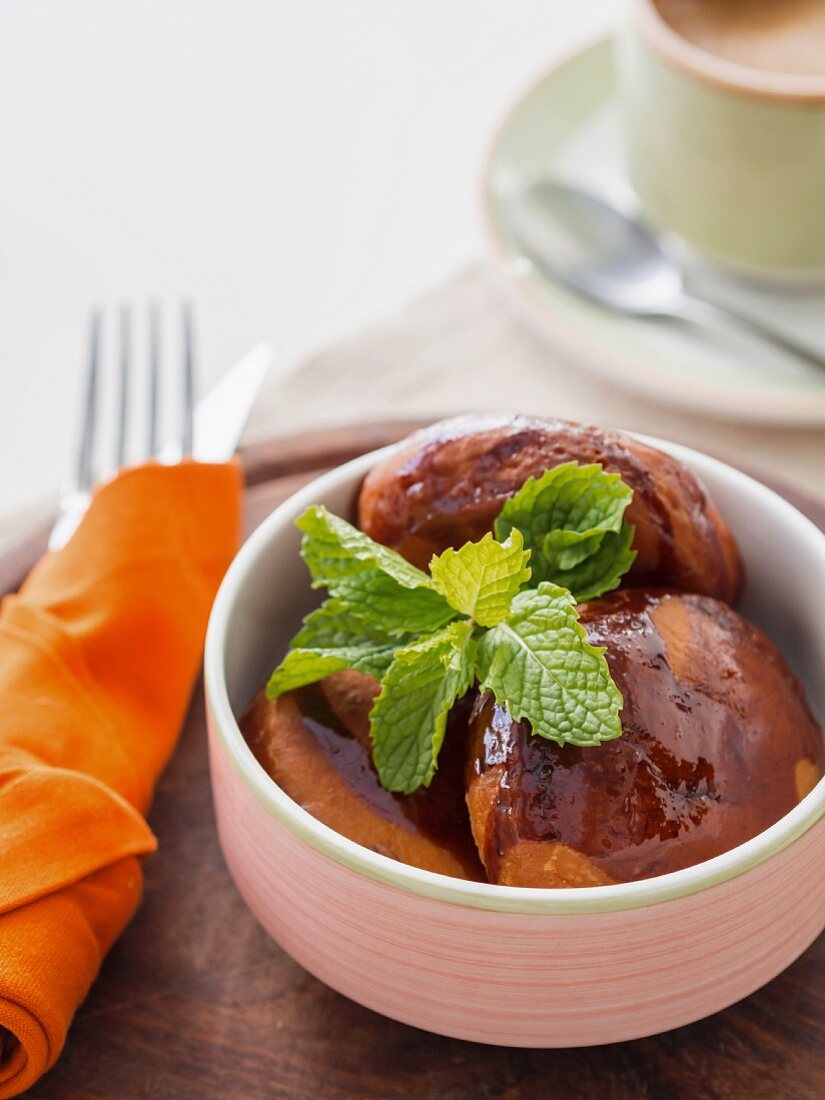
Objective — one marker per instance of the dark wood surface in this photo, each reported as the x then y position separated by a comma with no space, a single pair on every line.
196,1002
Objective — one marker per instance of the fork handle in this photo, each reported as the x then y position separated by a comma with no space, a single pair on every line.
699,311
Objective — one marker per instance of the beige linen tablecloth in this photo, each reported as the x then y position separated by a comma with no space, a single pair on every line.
461,347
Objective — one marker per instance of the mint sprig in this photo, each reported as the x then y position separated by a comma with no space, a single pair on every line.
429,638
572,518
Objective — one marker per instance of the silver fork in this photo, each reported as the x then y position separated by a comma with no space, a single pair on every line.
89,467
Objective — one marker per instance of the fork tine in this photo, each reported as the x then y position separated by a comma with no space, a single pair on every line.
154,379
85,455
188,401
123,396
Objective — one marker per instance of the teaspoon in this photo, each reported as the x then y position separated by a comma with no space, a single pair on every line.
612,259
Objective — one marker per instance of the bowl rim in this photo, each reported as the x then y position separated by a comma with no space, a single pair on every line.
390,872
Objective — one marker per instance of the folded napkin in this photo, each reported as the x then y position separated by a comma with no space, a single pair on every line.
98,656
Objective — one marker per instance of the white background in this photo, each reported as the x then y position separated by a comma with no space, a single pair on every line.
281,162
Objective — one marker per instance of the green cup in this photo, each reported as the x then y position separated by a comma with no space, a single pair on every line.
730,158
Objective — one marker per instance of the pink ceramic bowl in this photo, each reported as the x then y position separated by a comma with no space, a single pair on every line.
496,964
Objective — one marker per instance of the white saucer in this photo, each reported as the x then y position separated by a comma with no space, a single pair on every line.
567,125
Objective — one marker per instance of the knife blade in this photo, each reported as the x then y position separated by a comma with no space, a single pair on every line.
222,413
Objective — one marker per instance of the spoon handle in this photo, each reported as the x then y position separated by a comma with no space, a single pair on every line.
698,311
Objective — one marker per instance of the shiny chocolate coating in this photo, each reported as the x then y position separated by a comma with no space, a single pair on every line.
446,485
718,743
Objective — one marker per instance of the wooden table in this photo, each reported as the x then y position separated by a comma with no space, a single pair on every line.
196,1002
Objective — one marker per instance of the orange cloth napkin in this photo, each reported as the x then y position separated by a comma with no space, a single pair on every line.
98,656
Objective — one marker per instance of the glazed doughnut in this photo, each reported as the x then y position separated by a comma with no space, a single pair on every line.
718,743
446,484
315,744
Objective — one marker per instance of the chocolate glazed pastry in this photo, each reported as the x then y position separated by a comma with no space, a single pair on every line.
315,744
718,743
447,484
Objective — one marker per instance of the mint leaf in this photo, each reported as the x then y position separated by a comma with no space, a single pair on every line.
388,592
333,637
336,623
539,664
334,550
409,716
566,549
482,578
307,666
395,610
569,497
603,569
567,516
